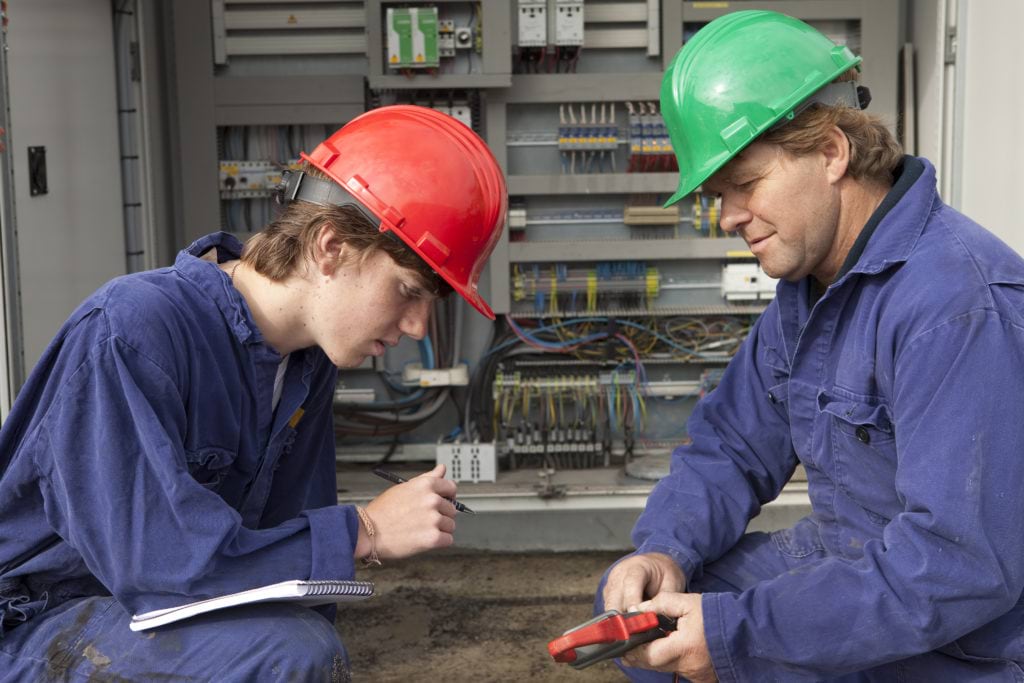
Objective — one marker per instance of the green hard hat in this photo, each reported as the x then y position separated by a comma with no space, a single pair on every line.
735,78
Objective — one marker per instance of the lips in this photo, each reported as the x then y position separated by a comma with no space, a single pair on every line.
754,243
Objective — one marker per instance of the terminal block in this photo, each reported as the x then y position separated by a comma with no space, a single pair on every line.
469,462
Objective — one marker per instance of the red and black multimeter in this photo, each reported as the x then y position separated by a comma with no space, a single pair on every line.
607,636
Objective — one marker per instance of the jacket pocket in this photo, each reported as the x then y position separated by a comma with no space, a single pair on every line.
862,443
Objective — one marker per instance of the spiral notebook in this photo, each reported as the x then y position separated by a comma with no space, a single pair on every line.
305,592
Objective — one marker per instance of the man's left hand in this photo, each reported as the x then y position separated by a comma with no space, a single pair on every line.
684,651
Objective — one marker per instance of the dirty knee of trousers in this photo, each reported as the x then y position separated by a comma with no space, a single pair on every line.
296,640
91,638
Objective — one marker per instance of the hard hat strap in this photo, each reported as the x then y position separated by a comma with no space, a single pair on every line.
297,185
842,94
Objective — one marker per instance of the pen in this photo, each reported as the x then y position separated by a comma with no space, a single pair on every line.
395,479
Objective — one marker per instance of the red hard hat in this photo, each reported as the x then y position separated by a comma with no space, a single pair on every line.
430,180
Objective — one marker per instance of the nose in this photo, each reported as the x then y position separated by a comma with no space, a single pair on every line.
417,316
734,215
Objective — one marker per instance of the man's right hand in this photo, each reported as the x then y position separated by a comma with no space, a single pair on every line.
639,578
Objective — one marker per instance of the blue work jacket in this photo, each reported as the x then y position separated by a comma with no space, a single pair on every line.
899,390
143,458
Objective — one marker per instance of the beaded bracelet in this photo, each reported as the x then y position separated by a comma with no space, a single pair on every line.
370,560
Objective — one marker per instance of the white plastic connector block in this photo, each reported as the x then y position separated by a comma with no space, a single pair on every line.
747,282
473,462
740,281
415,375
459,112
345,395
517,218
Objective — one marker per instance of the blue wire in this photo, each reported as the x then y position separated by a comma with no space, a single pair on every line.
426,352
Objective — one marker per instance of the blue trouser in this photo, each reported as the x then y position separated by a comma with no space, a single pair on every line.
89,639
758,558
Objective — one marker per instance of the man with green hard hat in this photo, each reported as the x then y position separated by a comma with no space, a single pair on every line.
889,365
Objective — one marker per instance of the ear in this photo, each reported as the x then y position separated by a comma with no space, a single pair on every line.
328,250
837,155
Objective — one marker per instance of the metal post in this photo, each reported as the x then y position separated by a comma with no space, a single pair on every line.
12,362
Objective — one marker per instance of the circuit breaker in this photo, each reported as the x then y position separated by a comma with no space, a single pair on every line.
413,36
446,38
533,23
568,22
241,179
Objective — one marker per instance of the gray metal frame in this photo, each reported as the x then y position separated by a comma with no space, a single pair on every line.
13,348
248,101
196,177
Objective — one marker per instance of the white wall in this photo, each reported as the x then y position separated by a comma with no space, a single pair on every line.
62,94
990,178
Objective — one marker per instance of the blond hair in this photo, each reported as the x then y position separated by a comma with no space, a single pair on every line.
280,249
874,152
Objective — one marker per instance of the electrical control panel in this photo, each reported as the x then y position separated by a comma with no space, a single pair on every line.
615,312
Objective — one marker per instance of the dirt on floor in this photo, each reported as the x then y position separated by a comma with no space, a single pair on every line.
473,617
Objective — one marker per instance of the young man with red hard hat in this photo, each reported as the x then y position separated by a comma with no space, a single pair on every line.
175,441
889,365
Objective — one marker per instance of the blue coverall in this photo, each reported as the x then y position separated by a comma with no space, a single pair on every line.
143,460
899,390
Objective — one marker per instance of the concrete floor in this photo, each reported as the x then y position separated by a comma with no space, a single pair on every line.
486,610
473,616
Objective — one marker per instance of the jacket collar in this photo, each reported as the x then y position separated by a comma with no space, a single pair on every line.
896,225
197,264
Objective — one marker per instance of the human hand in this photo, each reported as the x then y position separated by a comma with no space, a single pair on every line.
640,577
685,650
412,517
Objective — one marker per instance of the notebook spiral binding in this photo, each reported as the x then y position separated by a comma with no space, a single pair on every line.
339,588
